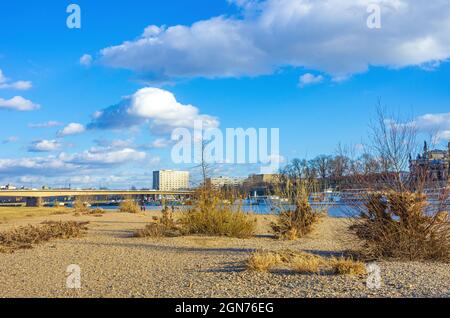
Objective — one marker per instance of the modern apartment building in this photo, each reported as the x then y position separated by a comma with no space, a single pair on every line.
170,180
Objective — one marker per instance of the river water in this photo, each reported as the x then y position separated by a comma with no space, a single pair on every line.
334,210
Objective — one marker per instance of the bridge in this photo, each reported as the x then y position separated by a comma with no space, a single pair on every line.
35,197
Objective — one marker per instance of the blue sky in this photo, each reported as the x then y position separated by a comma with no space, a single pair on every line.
312,69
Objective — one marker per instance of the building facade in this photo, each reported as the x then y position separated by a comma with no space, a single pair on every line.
431,166
170,180
218,182
263,178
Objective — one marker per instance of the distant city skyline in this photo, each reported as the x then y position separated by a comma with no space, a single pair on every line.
95,106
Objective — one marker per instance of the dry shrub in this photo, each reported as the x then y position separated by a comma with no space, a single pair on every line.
26,236
214,213
129,206
80,206
164,226
304,263
299,220
342,266
291,225
263,261
401,225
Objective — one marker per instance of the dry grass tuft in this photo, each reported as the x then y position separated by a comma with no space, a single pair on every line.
129,206
26,236
263,261
96,212
344,266
303,263
164,226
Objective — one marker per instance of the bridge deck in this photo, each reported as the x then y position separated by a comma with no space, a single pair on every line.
73,193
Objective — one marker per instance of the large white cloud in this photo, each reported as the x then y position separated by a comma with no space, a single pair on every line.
18,103
154,106
325,35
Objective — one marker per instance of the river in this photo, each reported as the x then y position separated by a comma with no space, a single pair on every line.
334,210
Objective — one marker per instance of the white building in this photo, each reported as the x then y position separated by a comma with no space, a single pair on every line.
219,182
8,187
170,180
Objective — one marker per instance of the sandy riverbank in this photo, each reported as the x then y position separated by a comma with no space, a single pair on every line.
114,264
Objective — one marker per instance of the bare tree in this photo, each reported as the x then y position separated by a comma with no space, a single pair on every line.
202,170
392,142
369,164
323,165
204,164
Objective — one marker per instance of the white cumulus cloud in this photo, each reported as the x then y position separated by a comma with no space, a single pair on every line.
436,124
160,143
44,146
107,157
6,83
154,106
443,135
433,121
86,60
18,103
72,129
310,79
44,166
65,164
329,36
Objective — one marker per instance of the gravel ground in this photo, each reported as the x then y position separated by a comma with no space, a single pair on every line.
114,264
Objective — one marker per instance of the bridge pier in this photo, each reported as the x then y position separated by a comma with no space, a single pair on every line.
34,202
